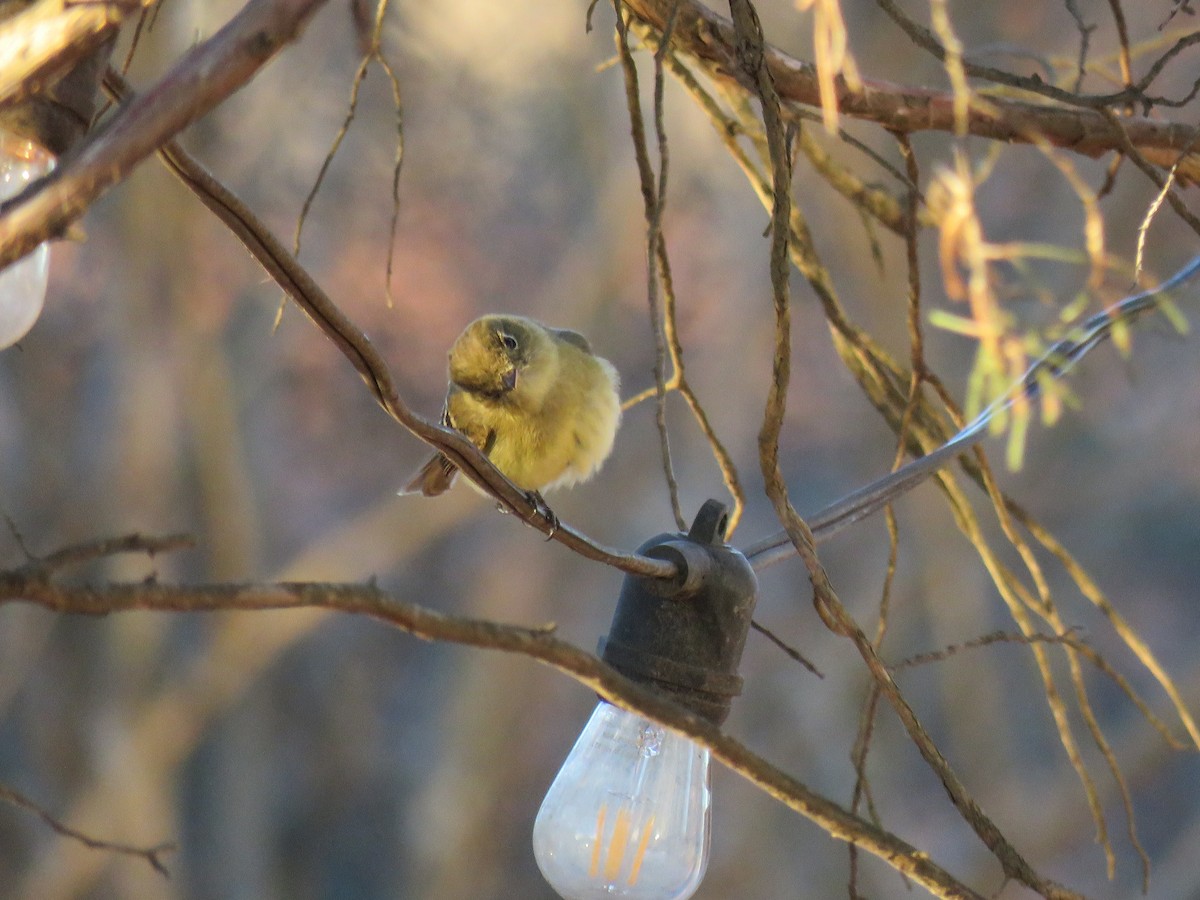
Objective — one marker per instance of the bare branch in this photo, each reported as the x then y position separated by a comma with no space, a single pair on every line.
203,78
1123,38
78,554
46,40
536,643
926,39
678,380
710,38
152,855
372,37
287,272
654,196
788,650
1053,364
751,58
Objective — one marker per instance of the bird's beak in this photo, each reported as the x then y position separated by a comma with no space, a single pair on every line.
509,379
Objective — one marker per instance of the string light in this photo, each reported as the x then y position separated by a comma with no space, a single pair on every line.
629,813
23,283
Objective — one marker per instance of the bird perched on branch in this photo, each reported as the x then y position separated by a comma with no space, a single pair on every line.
539,404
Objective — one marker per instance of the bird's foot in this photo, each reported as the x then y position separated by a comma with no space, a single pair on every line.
540,508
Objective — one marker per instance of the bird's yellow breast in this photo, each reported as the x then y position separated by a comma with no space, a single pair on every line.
557,435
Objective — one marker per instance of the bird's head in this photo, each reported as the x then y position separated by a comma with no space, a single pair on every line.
507,359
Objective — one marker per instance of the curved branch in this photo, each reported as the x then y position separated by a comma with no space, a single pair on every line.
927,40
536,643
710,38
152,855
203,78
283,267
48,39
1051,365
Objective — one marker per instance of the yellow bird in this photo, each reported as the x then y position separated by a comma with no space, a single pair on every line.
536,400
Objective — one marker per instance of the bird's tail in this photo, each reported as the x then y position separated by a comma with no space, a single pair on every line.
433,478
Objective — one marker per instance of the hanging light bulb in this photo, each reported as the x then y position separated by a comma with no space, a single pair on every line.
628,814
23,283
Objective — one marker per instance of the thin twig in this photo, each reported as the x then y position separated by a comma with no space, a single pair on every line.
79,554
1124,56
1053,364
152,855
654,193
373,53
47,39
709,37
927,40
286,271
678,381
790,651
866,726
1164,191
203,78
752,62
1085,40
538,644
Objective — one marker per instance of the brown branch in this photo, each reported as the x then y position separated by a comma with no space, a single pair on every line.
152,855
1085,40
536,643
870,199
1068,638
372,52
710,38
202,79
1123,40
78,554
1053,364
987,640
678,381
654,196
48,39
752,62
794,534
919,372
287,272
1130,93
788,650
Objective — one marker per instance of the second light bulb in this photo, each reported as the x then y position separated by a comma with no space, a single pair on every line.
23,283
627,815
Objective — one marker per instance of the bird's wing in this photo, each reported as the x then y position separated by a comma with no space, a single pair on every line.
571,337
480,435
437,475
433,478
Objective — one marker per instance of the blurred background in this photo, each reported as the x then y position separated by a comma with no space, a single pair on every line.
306,755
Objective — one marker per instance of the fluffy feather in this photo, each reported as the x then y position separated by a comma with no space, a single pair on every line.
536,400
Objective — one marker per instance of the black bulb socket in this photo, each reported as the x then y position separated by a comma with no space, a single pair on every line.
684,636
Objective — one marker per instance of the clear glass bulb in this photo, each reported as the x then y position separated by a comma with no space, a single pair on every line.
628,813
23,283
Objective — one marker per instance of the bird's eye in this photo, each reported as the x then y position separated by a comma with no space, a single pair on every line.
507,340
